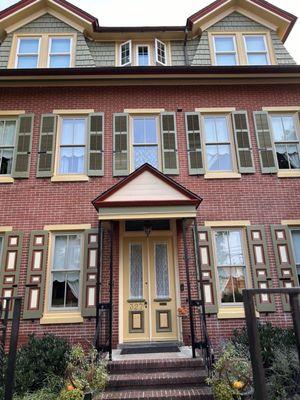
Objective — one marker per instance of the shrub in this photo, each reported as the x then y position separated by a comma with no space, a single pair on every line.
50,391
75,394
38,360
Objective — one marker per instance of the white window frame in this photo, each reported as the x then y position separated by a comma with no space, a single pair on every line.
66,309
137,53
59,146
59,54
157,41
266,52
297,229
14,144
235,52
38,54
130,53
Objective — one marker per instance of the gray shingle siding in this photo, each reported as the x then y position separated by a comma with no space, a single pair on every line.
198,49
103,53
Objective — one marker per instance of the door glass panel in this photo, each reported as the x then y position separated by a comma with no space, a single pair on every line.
161,270
296,248
136,271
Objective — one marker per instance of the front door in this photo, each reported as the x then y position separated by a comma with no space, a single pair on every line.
149,307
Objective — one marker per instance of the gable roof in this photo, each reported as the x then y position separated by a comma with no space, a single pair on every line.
146,186
261,11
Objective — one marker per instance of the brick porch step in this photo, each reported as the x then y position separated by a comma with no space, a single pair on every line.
144,365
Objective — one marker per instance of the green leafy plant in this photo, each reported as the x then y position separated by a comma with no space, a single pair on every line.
50,391
75,394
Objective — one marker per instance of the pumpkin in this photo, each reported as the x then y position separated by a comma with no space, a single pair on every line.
70,387
239,385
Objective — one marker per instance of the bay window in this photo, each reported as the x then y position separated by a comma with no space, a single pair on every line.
7,143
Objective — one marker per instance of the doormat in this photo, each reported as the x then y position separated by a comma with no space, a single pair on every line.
150,349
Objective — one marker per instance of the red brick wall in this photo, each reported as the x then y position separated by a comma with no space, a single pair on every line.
32,203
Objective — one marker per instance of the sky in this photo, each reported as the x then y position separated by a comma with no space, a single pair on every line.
157,12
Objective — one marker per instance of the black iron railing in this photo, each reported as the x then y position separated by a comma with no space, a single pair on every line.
260,388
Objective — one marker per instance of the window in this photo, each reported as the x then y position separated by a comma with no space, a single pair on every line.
1,247
65,272
60,52
256,50
136,271
161,271
72,159
225,50
217,143
143,55
28,53
125,51
231,266
7,142
296,247
286,140
160,52
145,141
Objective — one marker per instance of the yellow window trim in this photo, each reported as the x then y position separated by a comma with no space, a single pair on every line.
216,110
8,113
44,47
222,175
61,318
288,174
144,110
69,178
67,227
6,228
282,109
240,46
291,222
74,111
6,179
227,224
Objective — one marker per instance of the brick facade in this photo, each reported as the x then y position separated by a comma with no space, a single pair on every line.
29,204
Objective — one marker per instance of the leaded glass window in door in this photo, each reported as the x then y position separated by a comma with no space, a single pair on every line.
162,270
145,142
136,271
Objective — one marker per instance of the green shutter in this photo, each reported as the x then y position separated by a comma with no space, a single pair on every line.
22,154
194,146
260,266
10,265
95,145
285,263
88,307
243,142
36,275
264,142
208,270
169,143
121,153
46,154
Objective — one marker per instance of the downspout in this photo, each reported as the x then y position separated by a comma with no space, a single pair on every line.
184,45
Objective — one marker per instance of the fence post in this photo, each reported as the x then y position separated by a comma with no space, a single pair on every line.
11,363
295,309
260,390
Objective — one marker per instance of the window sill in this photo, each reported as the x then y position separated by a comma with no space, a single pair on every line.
6,179
222,175
231,313
61,318
69,178
288,174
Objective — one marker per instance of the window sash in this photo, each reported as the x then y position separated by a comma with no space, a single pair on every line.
54,54
10,147
124,49
26,55
258,52
225,52
138,47
160,52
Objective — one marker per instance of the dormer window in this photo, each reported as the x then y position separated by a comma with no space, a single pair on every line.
28,52
225,50
143,54
160,52
60,52
256,49
125,53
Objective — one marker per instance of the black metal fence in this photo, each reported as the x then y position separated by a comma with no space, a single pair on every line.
9,307
293,294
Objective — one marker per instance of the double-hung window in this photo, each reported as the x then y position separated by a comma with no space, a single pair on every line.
7,143
285,130
59,52
145,142
256,50
72,149
296,248
225,50
231,265
28,50
65,271
143,55
218,150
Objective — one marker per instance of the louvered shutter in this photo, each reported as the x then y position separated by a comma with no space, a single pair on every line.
243,142
88,308
169,143
121,155
95,145
46,154
10,265
36,275
194,145
22,154
264,142
260,266
208,270
285,263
